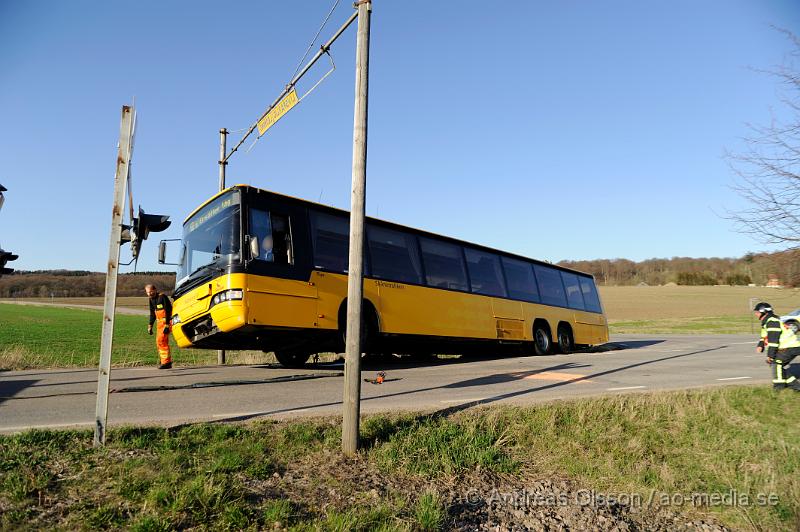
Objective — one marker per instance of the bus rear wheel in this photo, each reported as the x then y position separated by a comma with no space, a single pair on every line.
292,359
565,342
541,340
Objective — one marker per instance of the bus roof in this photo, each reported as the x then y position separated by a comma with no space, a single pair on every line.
388,223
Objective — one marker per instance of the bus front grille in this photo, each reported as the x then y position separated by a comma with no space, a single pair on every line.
199,329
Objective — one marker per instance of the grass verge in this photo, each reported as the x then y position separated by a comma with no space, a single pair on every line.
291,475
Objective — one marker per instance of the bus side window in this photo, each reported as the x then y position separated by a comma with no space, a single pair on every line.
574,296
444,265
261,231
330,237
551,288
521,282
281,239
590,295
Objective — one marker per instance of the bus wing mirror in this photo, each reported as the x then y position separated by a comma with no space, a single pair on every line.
162,252
253,247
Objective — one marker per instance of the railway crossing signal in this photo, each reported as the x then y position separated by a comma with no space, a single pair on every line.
6,257
142,227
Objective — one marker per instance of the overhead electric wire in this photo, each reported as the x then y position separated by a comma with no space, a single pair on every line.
289,86
324,22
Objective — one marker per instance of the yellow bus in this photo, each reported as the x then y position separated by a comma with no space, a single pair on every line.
264,271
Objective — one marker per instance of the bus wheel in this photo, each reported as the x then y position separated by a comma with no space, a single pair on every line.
292,359
793,326
565,342
369,329
541,340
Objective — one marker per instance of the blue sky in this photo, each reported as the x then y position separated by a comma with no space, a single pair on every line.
557,130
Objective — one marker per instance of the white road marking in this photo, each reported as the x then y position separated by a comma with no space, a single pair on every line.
240,414
625,388
733,378
742,343
468,400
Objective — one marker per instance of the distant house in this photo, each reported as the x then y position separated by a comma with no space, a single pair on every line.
774,282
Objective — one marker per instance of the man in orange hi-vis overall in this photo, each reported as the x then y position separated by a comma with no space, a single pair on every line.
160,314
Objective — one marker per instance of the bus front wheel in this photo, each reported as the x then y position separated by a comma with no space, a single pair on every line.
541,340
292,359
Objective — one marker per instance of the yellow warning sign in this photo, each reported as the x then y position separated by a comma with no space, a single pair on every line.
275,114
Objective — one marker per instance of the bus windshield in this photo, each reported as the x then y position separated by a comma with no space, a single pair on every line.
210,240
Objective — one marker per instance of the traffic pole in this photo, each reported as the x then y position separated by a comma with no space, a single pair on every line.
352,366
223,137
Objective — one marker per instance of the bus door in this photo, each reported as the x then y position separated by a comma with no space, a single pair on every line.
279,293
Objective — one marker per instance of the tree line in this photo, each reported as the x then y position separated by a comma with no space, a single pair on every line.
66,283
753,268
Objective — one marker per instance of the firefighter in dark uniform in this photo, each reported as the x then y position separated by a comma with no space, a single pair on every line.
780,344
160,314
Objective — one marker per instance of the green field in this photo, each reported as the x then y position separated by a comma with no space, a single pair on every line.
41,337
413,467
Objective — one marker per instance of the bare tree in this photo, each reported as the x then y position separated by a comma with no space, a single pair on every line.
768,169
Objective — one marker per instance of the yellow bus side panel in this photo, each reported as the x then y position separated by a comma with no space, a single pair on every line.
332,290
409,309
281,302
590,328
417,310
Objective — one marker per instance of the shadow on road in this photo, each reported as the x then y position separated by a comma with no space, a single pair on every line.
9,389
470,404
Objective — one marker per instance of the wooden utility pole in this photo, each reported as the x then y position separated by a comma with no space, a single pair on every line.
355,280
223,138
109,306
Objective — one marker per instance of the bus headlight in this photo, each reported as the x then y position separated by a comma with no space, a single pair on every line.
227,295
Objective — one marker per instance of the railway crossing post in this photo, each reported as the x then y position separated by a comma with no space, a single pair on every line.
109,306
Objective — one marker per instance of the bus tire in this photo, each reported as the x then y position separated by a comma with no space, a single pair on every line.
369,326
793,326
542,342
566,343
292,359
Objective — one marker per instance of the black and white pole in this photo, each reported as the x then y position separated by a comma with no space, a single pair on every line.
352,366
109,306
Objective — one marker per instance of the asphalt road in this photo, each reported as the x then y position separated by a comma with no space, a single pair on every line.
66,398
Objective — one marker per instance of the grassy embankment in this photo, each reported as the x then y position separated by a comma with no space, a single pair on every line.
252,476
